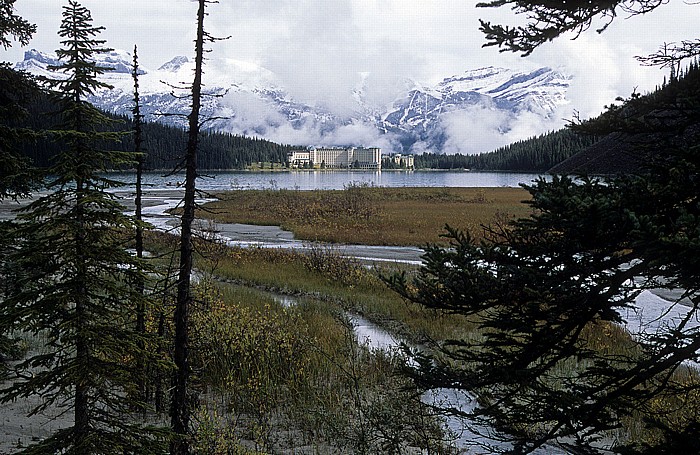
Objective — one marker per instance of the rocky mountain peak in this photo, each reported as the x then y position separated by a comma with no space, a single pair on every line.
254,101
175,64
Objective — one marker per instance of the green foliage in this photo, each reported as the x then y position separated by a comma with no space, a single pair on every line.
295,375
537,154
330,263
538,285
163,144
74,285
258,356
17,177
214,435
548,20
259,350
13,26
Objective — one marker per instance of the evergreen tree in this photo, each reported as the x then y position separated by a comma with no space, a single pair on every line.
548,20
550,362
17,175
12,26
16,90
547,293
75,291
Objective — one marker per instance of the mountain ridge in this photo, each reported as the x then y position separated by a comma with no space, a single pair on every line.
252,100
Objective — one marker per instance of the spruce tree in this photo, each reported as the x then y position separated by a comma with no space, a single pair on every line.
16,90
75,293
548,20
18,177
549,361
12,26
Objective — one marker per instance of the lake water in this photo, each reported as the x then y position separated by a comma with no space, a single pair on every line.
336,180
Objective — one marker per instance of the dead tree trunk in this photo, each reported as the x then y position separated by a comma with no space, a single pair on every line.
180,405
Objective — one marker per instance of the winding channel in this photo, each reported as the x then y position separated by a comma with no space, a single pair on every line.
468,437
654,310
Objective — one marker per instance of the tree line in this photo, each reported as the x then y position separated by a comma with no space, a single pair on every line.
536,154
162,143
221,150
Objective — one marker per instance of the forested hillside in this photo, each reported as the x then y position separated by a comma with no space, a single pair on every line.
164,145
537,154
627,147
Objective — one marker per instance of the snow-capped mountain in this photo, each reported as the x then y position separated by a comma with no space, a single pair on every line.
252,100
420,113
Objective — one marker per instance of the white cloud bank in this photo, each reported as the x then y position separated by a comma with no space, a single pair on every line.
319,48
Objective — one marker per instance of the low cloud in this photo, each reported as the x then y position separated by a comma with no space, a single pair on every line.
325,51
483,129
254,116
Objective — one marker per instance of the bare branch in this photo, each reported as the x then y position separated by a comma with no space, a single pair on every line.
671,54
547,19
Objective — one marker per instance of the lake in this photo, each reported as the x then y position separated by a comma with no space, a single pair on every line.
335,180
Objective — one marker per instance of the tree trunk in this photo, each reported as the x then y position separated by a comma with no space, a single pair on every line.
82,419
140,285
180,408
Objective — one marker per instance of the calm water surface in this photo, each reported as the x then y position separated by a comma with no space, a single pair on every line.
335,180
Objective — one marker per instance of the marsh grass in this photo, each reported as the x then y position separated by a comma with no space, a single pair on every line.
330,284
324,274
295,375
278,362
371,215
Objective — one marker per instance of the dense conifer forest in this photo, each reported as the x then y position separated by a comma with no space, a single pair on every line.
536,154
625,149
164,147
163,144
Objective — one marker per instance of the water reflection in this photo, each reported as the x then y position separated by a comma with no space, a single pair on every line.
333,180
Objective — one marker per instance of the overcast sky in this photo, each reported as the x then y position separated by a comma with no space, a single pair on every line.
333,40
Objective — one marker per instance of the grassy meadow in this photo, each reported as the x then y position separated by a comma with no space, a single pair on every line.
338,393
290,308
371,215
279,368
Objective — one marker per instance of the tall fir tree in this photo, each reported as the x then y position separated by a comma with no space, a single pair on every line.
75,292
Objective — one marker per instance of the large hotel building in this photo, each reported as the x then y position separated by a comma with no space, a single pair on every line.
337,158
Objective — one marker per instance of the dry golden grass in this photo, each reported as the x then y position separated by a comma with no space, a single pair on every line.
370,215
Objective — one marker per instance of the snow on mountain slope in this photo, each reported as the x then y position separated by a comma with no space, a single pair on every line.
254,101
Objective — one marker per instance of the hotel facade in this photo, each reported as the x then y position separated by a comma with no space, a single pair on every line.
336,158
